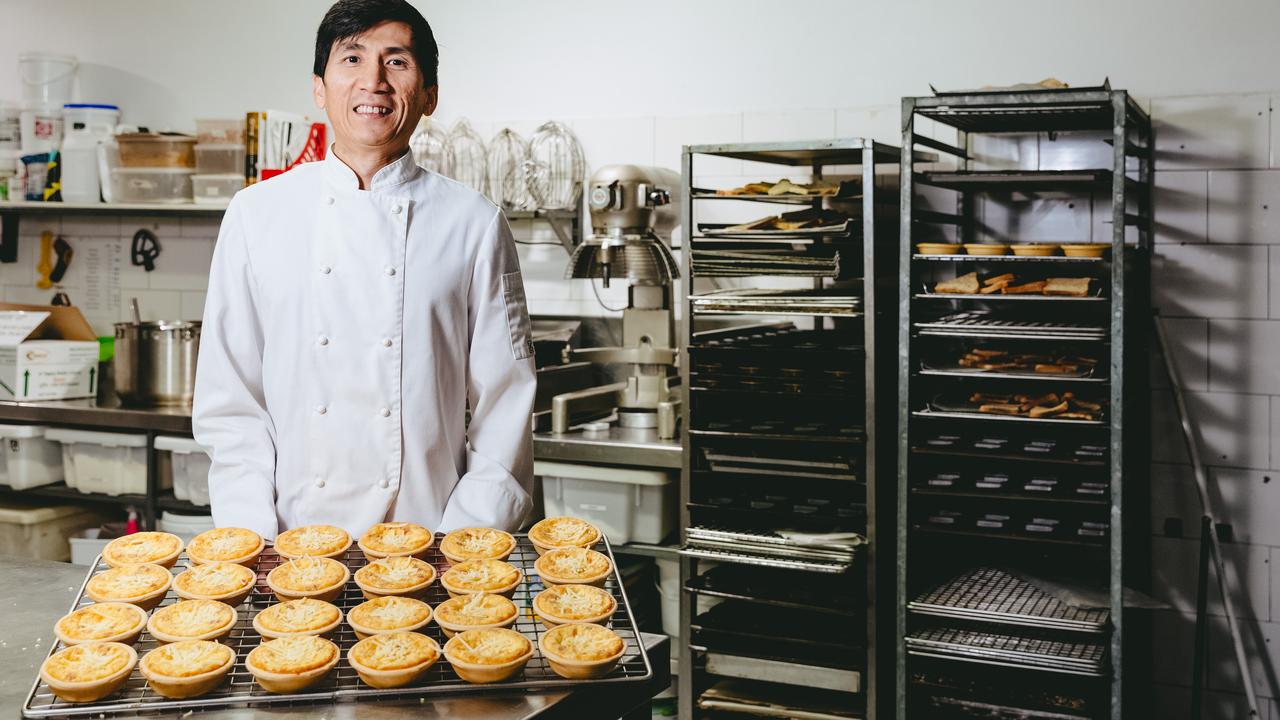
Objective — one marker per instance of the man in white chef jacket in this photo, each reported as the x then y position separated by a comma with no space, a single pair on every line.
355,307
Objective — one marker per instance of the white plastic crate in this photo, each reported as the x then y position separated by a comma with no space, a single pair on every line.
190,469
86,546
627,504
42,532
27,458
102,462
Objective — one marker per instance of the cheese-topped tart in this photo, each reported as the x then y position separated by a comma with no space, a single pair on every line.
187,668
402,575
160,548
390,539
477,544
224,581
393,659
89,671
560,604
490,655
581,650
476,576
141,585
102,622
313,541
564,531
317,577
192,620
388,614
228,544
474,612
294,655
570,565
305,616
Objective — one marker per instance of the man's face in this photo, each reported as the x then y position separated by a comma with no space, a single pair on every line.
372,89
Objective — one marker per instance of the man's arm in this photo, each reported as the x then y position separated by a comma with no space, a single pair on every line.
501,384
229,417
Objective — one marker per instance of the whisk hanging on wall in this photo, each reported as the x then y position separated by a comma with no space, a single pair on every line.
508,153
556,167
467,156
430,146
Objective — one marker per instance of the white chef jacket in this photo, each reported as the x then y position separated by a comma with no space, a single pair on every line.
345,332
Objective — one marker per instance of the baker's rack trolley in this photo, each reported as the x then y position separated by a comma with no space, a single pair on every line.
983,498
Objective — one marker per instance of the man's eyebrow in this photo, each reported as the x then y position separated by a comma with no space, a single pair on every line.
392,50
351,45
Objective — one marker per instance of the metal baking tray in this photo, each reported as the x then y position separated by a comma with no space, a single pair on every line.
719,230
986,325
957,371
737,301
342,683
975,415
1033,651
781,671
995,596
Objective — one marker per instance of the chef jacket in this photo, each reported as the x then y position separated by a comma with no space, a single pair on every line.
345,332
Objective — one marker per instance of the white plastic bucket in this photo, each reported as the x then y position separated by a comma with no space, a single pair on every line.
46,78
41,128
97,119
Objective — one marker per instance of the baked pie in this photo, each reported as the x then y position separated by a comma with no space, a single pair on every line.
573,565
289,664
313,541
192,620
392,539
562,604
481,576
141,585
486,656
393,659
477,544
102,622
475,612
233,545
578,651
558,532
157,548
222,581
387,615
313,577
187,668
306,616
88,671
401,575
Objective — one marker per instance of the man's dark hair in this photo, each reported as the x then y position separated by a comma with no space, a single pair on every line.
349,18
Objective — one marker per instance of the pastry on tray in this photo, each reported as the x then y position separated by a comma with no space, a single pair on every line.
141,585
488,656
157,548
313,541
573,566
314,577
799,220
966,284
229,544
192,620
88,671
1013,284
293,663
1066,406
581,651
188,668
401,575
563,604
476,543
102,622
564,531
388,614
481,576
475,612
393,659
222,581
304,616
391,539
784,187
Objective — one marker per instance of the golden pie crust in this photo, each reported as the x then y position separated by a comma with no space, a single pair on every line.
229,544
402,575
481,576
484,656
88,671
392,539
573,565
563,531
192,620
581,650
314,577
158,548
476,543
141,585
313,541
561,604
475,612
187,668
393,659
289,664
305,616
387,615
223,581
102,622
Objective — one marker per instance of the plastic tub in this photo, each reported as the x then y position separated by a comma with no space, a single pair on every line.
185,526
216,189
220,159
42,532
103,463
40,128
29,458
190,469
153,150
151,185
86,546
46,77
627,504
220,131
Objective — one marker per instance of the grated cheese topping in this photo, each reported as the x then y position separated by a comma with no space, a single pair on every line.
482,575
295,616
215,578
128,582
582,642
89,662
394,651
224,544
141,547
292,655
308,574
396,537
101,620
494,646
572,563
478,609
187,658
564,532
389,613
192,618
312,540
574,602
395,573
477,543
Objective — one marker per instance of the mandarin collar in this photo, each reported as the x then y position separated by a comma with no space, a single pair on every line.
397,172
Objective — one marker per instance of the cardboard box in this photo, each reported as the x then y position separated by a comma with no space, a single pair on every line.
47,352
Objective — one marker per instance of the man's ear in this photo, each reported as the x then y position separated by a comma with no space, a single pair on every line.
433,99
317,90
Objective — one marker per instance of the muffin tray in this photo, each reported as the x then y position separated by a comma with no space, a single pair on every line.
342,683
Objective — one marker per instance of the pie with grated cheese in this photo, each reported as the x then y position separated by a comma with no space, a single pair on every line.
393,659
561,604
484,656
187,668
387,615
475,612
141,585
289,664
159,548
581,650
477,544
88,671
313,541
391,539
481,576
306,616
573,565
222,581
102,622
229,544
313,577
564,531
192,620
403,575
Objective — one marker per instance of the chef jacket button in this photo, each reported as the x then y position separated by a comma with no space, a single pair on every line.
386,342
395,209
320,409
390,271
384,412
322,340
384,484
319,482
325,269
328,200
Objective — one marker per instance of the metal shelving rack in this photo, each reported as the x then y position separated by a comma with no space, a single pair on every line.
1108,484
733,437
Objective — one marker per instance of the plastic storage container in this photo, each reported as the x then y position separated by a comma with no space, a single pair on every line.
29,458
102,462
219,159
216,189
153,150
190,469
42,532
220,131
47,78
151,185
185,526
86,546
627,504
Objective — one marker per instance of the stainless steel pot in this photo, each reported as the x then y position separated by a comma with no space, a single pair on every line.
155,362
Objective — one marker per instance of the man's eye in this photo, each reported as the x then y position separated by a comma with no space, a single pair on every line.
397,61
350,59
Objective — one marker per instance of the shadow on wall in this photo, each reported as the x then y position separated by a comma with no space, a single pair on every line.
117,87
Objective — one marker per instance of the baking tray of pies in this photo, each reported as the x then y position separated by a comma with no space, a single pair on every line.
239,688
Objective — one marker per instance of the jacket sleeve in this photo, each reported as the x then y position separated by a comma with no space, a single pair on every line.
494,491
229,416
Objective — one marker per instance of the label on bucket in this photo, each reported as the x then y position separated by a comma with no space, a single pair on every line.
10,131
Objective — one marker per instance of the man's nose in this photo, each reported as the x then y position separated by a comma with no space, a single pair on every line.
373,77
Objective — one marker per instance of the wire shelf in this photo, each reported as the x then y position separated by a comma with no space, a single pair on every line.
993,595
1033,651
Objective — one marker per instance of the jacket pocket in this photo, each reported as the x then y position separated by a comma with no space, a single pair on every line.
517,315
